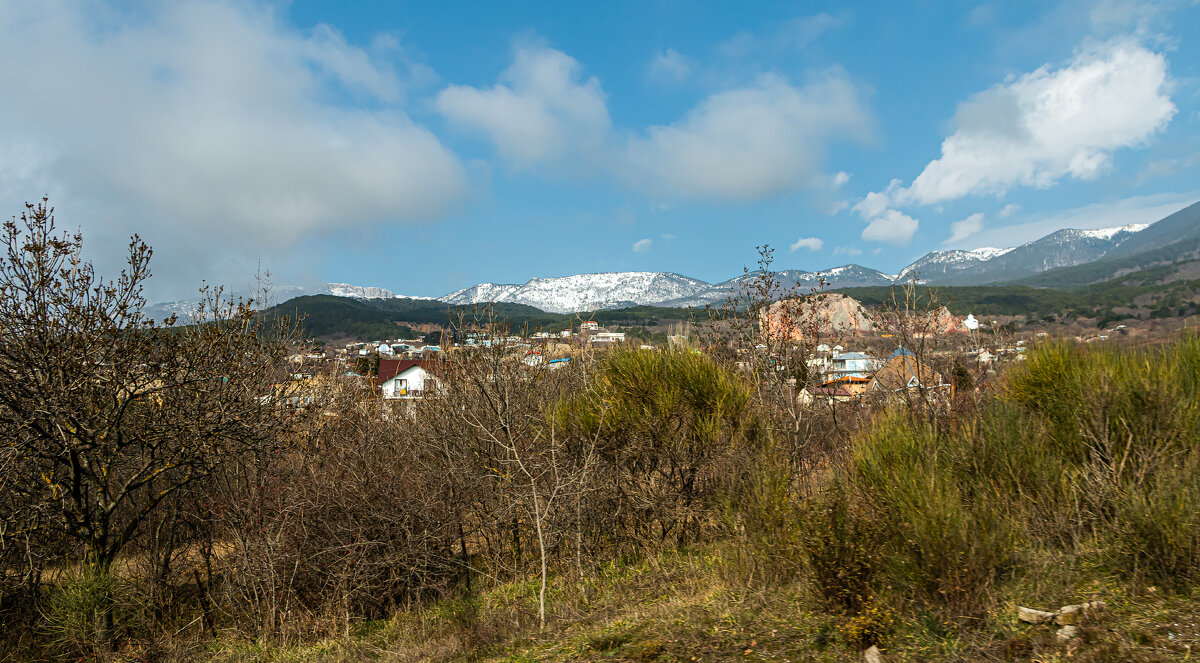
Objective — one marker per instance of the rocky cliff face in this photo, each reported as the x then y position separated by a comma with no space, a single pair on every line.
825,314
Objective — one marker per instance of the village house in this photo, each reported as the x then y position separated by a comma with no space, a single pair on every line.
835,391
851,364
903,370
853,385
606,337
403,378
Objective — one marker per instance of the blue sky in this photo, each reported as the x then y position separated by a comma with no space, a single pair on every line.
427,146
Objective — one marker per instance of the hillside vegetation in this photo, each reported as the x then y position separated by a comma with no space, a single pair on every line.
1077,479
328,317
667,506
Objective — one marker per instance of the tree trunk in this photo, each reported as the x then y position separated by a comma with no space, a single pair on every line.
537,520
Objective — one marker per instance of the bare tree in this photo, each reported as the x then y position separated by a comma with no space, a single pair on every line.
772,331
105,415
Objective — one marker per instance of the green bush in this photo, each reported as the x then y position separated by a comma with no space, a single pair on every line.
673,429
842,552
1158,533
1086,452
1009,461
85,611
1122,425
1051,382
948,540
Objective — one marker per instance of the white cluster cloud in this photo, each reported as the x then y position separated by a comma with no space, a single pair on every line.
745,143
891,227
1037,129
885,224
642,245
960,230
1008,210
1050,124
670,66
810,243
206,127
541,110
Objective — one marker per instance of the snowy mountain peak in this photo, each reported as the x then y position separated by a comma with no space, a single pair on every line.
988,252
955,259
358,291
1109,233
1062,248
584,292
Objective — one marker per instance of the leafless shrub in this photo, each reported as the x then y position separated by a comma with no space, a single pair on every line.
107,417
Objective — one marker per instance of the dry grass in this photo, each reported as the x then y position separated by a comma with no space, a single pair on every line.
681,607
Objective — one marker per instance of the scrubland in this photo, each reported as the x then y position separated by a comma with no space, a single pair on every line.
675,513
172,494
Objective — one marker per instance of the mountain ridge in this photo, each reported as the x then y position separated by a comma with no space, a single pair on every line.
1062,249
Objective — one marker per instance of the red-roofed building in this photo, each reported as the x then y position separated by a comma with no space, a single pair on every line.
403,378
851,384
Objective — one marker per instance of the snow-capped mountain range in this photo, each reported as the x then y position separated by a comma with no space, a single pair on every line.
609,290
588,292
585,292
1062,248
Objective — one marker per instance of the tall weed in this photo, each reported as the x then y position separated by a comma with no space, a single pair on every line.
1125,422
948,541
842,553
763,518
1158,535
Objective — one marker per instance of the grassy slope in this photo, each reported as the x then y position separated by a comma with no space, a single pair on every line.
1111,267
682,606
1169,241
1023,300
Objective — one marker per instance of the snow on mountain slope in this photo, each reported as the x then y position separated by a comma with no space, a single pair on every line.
988,252
1109,233
358,291
584,292
791,281
1062,248
956,259
589,292
847,276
